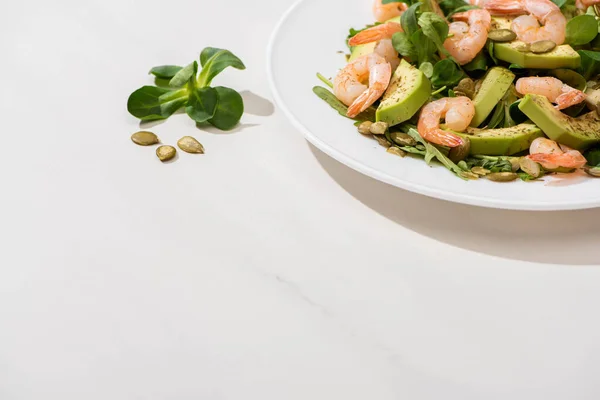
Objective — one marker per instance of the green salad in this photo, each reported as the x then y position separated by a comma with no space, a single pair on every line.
501,89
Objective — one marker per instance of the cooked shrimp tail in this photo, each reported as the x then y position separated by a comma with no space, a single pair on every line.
375,33
457,112
553,89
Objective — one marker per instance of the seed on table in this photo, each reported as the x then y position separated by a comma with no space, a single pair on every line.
379,128
144,138
502,35
190,145
165,153
542,46
364,128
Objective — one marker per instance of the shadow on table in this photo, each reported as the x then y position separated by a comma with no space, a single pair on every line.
561,237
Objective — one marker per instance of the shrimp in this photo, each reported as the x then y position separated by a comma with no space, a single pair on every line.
375,33
557,92
386,49
348,86
551,156
469,35
384,12
584,4
527,27
457,112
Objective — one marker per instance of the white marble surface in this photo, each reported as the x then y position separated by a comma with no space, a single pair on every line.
264,269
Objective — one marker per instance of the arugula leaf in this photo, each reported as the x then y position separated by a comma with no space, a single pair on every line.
183,76
409,21
214,61
434,152
165,71
202,104
337,105
404,46
229,109
152,103
435,28
581,30
446,73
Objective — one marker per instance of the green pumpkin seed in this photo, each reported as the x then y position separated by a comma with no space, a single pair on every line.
468,175
530,167
379,128
364,128
523,48
403,139
594,171
165,153
480,171
502,176
396,151
190,145
382,141
502,35
144,138
542,46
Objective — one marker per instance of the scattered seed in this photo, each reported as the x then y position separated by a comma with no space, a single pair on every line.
379,128
165,153
515,164
480,171
460,152
144,138
396,151
594,171
542,46
502,176
523,48
364,128
382,141
530,167
403,139
502,35
469,175
190,145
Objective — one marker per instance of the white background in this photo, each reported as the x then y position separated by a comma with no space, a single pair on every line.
262,269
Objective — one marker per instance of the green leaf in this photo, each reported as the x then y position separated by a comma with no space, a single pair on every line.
426,49
404,46
337,105
229,109
427,69
325,80
446,73
593,156
581,30
559,3
434,152
590,63
479,63
570,77
202,104
151,103
183,76
435,28
393,1
409,21
214,61
516,114
165,71
497,117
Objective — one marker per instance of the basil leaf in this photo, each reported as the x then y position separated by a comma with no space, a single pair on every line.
202,104
404,46
165,71
182,76
409,21
435,28
446,73
229,109
214,61
581,30
151,103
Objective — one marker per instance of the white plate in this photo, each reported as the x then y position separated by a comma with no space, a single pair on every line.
306,41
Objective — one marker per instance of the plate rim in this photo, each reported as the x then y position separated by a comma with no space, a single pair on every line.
382,176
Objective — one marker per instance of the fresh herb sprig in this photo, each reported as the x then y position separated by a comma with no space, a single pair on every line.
190,88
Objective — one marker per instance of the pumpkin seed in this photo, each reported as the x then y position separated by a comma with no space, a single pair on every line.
523,48
461,151
515,164
530,167
379,128
502,35
403,139
502,176
594,171
468,175
165,153
190,145
144,138
396,151
542,46
480,171
382,141
364,128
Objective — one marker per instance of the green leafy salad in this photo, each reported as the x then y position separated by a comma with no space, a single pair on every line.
501,89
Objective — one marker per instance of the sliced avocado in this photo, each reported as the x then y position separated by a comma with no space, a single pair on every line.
368,48
503,141
409,89
578,133
562,56
493,87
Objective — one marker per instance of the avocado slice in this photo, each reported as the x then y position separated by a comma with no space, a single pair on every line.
409,89
502,141
494,86
578,133
562,56
367,48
